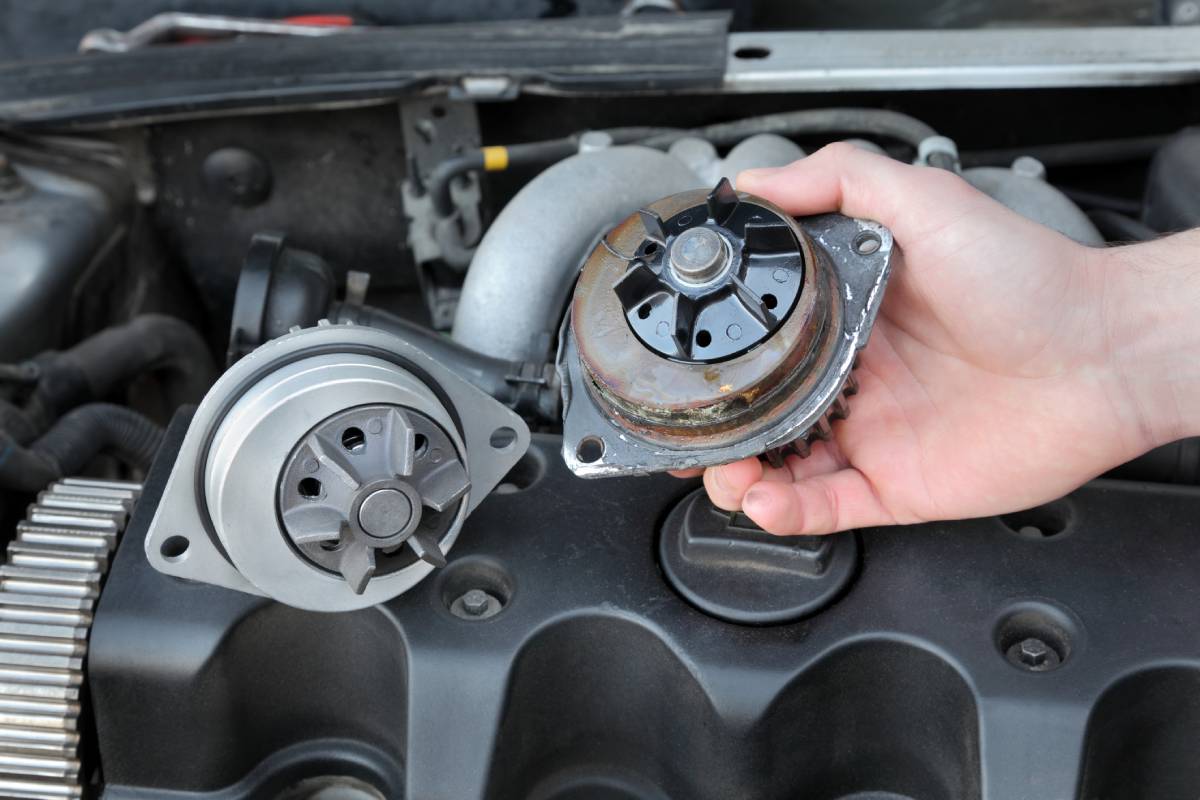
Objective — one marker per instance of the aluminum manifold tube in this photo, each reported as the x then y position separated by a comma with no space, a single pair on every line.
712,326
330,469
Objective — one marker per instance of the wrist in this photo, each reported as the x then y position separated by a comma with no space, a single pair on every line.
1151,308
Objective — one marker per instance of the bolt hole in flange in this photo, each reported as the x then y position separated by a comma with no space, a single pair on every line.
752,53
503,438
420,445
590,449
867,243
475,588
174,548
1041,522
703,338
1035,636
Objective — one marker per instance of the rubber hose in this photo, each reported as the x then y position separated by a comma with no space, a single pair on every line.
94,368
74,441
544,152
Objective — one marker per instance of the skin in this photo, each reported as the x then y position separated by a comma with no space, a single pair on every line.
1008,366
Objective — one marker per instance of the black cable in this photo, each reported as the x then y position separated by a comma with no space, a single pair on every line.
544,152
99,365
1069,154
73,441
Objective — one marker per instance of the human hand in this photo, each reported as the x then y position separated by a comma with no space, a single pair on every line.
995,378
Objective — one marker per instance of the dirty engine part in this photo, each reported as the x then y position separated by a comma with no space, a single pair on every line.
712,326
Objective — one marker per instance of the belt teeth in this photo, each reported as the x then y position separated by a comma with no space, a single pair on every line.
49,585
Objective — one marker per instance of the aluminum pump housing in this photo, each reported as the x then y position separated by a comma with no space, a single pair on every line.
330,469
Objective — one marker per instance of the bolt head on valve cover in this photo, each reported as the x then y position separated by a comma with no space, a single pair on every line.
712,326
331,469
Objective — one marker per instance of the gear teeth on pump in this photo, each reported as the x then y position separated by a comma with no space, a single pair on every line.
49,586
822,430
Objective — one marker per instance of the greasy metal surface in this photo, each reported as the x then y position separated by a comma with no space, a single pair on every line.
679,401
603,435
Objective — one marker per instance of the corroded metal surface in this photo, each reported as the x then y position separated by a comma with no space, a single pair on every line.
657,396
629,409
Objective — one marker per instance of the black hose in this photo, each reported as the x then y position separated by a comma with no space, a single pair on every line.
96,367
859,121
544,152
1118,227
1069,154
526,388
74,441
443,176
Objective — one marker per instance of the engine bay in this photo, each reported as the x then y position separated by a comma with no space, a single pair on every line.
343,360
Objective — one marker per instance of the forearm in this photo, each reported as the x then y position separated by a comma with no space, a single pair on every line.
1151,307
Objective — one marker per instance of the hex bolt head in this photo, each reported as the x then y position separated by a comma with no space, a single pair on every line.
1034,655
475,602
1033,652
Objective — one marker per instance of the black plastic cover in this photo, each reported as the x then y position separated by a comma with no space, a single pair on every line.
596,680
589,54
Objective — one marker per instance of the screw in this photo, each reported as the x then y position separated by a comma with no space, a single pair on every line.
1033,652
476,602
1034,655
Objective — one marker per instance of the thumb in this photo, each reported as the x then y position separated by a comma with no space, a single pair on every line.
840,177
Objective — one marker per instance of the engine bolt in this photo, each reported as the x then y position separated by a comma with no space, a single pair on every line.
1034,655
476,602
699,255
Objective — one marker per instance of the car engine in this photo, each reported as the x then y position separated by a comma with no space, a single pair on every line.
343,356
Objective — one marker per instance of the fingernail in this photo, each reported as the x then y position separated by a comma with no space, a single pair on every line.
718,479
758,174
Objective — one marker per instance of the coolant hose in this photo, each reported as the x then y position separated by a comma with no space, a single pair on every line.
94,368
73,441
